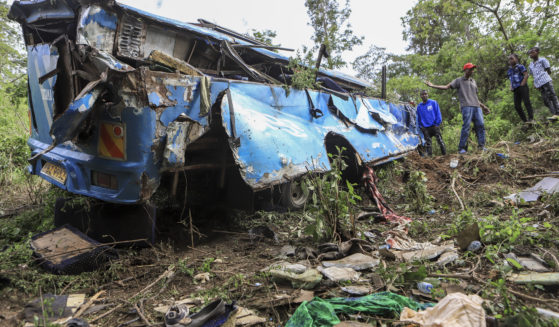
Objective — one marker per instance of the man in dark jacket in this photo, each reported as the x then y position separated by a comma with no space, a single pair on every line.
429,119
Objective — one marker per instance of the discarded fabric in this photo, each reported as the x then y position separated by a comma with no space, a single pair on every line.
454,310
323,312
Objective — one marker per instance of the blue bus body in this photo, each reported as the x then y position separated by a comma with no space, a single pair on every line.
120,98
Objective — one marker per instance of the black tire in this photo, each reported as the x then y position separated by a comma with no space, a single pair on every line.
293,196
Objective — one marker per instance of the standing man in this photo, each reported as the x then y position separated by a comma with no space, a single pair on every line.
541,71
429,118
518,76
466,88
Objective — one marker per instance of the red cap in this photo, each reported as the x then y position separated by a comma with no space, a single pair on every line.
468,66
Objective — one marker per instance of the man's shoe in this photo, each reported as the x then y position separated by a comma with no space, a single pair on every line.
463,151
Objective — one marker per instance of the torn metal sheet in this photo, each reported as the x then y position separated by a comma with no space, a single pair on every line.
97,28
179,135
67,126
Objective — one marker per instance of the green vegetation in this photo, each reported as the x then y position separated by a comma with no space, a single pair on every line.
331,213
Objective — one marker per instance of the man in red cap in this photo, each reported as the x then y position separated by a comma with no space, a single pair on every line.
470,105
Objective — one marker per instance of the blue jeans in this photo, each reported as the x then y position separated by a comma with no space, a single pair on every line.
470,114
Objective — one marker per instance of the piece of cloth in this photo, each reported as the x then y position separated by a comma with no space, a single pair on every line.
516,75
429,113
549,98
522,94
454,310
467,91
470,114
323,312
428,133
370,180
205,100
538,71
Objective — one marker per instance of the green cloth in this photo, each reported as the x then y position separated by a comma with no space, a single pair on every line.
322,312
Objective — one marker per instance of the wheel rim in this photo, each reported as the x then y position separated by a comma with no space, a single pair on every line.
298,196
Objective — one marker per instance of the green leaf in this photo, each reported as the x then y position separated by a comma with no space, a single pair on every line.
515,263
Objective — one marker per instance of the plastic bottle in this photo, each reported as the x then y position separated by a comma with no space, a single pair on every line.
425,287
474,246
384,246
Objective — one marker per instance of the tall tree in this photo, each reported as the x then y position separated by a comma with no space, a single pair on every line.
12,57
369,64
431,23
332,28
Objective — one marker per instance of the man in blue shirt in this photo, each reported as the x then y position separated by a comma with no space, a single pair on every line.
429,119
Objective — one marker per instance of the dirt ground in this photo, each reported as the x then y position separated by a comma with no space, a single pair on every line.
144,279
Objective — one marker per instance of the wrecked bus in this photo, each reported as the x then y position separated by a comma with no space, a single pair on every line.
125,104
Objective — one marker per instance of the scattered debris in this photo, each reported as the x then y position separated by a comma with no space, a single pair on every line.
246,317
202,277
533,262
323,312
453,163
66,250
60,308
188,302
547,185
370,180
307,280
358,290
474,246
425,287
356,261
547,278
295,268
177,315
260,233
467,235
287,251
404,248
340,274
548,313
454,310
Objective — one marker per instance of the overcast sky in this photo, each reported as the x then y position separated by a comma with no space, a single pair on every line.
377,20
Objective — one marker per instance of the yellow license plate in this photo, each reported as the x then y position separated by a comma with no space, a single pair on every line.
55,172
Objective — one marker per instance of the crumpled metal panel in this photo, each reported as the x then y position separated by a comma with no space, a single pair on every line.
67,126
179,135
279,139
175,94
42,59
97,28
380,111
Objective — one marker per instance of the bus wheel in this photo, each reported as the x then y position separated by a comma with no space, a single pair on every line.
293,196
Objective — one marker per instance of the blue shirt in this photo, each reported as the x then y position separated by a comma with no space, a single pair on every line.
537,69
516,75
429,114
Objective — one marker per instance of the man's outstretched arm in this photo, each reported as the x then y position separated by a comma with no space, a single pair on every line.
440,87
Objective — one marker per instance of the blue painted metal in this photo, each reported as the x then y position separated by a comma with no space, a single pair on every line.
279,140
67,126
274,136
42,59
